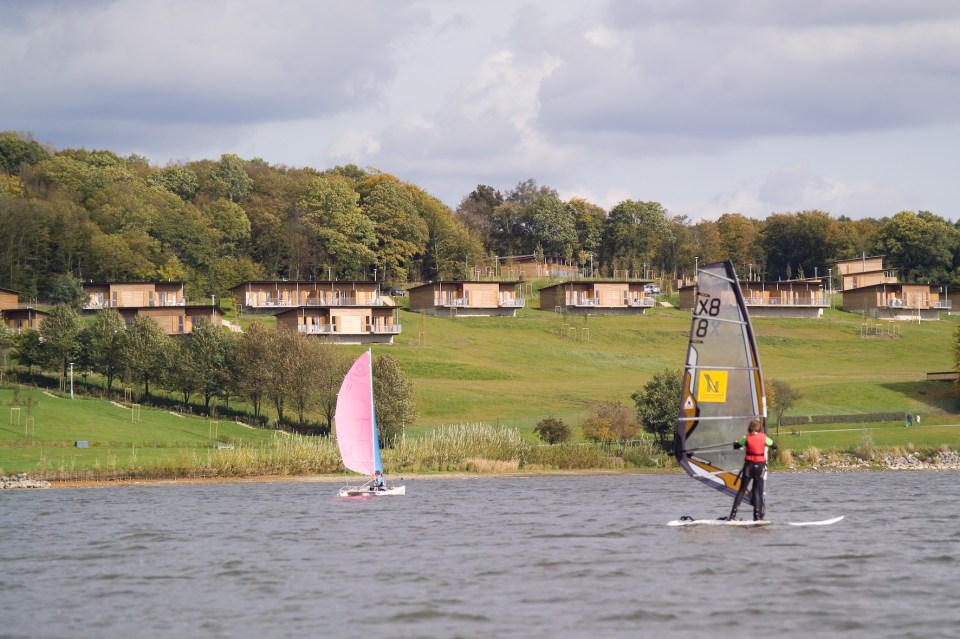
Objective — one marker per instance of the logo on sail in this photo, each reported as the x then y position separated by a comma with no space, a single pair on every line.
712,386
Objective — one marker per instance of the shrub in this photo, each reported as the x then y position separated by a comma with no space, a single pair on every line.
611,422
553,431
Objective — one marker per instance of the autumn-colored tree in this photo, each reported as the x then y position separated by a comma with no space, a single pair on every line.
610,422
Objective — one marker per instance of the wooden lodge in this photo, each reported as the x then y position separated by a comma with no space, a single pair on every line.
274,296
863,271
472,298
528,267
870,290
22,319
9,299
596,297
788,298
174,320
356,324
132,295
14,317
897,301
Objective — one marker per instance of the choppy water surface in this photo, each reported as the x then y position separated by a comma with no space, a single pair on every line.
488,557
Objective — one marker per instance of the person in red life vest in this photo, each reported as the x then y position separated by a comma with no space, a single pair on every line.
754,468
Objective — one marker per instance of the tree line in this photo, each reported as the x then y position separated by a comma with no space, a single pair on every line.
299,376
94,215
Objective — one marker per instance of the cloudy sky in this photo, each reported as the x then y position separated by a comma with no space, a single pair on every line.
750,106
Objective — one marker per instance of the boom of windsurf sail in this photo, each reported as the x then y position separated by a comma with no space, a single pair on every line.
722,382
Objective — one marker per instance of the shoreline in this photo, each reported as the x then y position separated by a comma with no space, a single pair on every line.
346,479
343,479
943,461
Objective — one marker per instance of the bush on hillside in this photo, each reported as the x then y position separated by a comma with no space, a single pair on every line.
553,431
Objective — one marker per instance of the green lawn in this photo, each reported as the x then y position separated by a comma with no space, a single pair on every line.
516,371
519,370
47,432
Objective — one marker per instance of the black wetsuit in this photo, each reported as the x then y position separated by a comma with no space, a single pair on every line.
752,473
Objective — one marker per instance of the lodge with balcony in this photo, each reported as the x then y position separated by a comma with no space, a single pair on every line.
22,319
132,295
17,318
369,324
864,271
174,320
274,296
897,301
467,298
804,298
596,297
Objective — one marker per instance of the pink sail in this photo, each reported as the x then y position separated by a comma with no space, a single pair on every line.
356,421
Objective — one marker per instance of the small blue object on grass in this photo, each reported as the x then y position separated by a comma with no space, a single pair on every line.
82,444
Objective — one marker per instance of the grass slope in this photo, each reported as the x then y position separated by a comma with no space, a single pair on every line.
516,371
46,433
519,370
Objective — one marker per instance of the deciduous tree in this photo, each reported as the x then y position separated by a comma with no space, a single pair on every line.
610,422
553,430
657,404
250,362
104,341
393,398
60,332
146,352
784,398
345,236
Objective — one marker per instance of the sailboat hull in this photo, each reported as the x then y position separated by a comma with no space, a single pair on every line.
366,491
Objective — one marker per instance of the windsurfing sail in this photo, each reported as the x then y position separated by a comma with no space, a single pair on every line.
356,419
722,382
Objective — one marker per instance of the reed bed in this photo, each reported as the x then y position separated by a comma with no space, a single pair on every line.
457,448
472,448
569,456
284,455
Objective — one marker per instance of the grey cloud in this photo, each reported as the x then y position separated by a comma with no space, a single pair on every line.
787,14
194,62
724,79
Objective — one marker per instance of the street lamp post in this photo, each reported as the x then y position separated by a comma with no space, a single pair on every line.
71,380
696,268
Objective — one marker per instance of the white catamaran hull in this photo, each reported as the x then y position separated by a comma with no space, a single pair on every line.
366,491
748,523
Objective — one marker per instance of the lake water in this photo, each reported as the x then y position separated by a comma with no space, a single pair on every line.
549,557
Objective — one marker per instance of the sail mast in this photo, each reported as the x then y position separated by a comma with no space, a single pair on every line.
375,439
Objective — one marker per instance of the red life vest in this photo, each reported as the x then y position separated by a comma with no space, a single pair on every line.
756,447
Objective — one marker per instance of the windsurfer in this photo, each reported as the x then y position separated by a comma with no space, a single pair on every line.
378,481
754,468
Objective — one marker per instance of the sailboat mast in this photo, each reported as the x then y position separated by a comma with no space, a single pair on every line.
375,443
